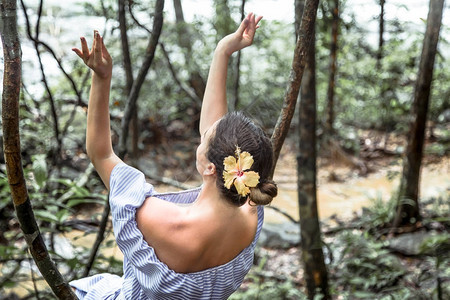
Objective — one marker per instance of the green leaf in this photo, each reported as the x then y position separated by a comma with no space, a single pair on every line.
364,295
40,169
62,215
80,191
46,216
74,202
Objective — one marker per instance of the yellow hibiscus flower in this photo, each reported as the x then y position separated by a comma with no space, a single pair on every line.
235,172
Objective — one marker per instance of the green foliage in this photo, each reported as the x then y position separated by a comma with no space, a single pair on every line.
5,193
266,290
380,213
39,170
437,209
52,208
436,245
364,266
261,287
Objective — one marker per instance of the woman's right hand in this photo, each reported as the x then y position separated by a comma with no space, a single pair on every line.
98,58
243,37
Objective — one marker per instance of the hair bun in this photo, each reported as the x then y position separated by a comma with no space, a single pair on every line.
264,193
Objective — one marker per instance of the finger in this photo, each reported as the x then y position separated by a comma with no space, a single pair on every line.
252,21
252,25
78,52
243,26
97,43
84,48
105,51
257,20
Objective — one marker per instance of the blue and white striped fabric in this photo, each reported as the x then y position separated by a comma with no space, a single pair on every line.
145,276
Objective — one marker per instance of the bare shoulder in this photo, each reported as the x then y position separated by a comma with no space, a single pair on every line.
157,217
167,230
190,240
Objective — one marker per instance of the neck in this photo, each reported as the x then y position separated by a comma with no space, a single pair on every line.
210,195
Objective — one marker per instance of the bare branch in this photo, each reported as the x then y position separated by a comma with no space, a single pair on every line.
305,35
137,84
238,64
182,86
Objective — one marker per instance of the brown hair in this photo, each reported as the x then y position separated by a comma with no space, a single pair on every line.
235,129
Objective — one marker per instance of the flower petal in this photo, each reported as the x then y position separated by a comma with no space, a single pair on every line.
241,188
250,178
245,161
228,178
230,164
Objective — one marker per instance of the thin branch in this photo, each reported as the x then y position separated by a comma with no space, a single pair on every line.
305,36
168,181
137,84
11,274
33,279
38,22
238,64
98,240
135,20
279,210
54,114
53,54
182,86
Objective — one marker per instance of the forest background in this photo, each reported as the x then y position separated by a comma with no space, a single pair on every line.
373,98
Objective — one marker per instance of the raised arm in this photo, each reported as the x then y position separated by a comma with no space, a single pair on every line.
98,133
214,104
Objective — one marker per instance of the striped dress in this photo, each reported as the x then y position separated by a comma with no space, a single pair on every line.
145,276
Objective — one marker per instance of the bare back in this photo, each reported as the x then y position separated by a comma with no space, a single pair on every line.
196,237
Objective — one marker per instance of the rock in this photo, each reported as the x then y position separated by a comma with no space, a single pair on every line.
409,243
279,236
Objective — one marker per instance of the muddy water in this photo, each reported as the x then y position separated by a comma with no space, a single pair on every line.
346,198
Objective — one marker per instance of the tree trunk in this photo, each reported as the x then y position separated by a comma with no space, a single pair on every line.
182,28
381,33
129,77
224,23
137,84
332,76
125,46
305,35
315,274
11,143
238,65
196,81
407,202
384,84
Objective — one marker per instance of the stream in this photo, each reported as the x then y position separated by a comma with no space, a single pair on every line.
347,197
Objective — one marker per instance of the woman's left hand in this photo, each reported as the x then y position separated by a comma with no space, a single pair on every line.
98,58
243,37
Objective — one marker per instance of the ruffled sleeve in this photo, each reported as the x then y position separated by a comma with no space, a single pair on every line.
142,269
128,191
